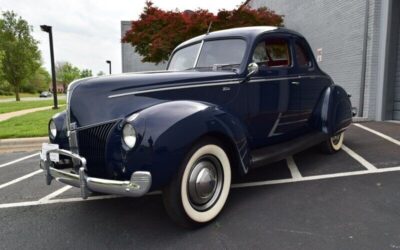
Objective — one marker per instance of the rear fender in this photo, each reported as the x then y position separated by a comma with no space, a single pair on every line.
333,113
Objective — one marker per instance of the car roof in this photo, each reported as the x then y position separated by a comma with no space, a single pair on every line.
246,32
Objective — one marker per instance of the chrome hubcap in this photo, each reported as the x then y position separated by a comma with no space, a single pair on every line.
205,182
336,139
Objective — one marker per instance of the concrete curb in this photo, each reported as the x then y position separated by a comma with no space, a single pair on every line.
361,119
22,144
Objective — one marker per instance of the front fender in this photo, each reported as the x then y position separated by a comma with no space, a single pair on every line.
170,130
62,137
333,113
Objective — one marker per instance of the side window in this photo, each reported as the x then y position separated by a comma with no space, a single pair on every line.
273,53
302,56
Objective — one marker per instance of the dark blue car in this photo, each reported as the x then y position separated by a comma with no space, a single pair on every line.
229,101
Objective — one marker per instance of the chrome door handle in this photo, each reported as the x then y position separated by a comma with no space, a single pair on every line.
295,83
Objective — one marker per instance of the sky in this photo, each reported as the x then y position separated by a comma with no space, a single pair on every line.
86,33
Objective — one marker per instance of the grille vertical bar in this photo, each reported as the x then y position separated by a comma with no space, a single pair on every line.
92,145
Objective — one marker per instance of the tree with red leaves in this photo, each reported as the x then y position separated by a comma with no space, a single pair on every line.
158,32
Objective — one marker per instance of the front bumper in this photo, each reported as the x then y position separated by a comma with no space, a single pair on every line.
138,185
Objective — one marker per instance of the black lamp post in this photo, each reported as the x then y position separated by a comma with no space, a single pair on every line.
47,29
109,65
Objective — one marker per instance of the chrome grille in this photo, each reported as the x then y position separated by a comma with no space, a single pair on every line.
92,146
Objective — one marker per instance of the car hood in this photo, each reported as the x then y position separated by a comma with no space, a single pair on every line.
90,99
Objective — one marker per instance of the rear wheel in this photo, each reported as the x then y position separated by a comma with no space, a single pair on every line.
200,189
333,144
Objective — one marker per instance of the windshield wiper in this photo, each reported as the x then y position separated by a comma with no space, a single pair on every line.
227,66
197,68
217,67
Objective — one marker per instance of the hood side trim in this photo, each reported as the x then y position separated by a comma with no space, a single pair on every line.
196,85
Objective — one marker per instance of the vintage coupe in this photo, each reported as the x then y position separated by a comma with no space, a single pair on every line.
229,101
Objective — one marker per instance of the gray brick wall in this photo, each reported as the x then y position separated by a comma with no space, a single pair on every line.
371,79
131,61
396,103
338,28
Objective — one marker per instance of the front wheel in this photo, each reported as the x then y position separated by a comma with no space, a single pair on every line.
200,189
333,144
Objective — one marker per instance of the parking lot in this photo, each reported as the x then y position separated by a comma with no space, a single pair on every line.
350,200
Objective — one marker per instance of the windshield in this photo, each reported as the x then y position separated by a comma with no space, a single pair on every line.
217,54
184,58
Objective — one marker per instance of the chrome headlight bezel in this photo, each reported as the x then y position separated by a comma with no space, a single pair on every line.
52,129
129,135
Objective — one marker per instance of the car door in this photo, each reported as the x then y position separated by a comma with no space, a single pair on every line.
311,81
273,93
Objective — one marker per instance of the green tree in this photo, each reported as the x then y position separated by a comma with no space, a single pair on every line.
66,73
4,85
39,81
2,54
21,54
86,73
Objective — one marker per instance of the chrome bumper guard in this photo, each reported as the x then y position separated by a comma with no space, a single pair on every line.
138,185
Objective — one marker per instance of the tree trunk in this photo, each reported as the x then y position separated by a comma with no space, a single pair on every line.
16,89
244,4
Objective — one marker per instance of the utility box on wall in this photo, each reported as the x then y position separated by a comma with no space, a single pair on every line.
319,55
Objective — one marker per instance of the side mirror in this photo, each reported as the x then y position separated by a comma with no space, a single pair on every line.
252,69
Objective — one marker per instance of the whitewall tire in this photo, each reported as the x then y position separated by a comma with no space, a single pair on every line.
333,144
199,191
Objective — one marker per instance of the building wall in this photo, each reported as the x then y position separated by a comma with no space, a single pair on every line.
396,99
131,61
372,60
338,27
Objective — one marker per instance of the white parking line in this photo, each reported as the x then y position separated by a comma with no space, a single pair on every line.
358,158
55,193
386,137
36,203
316,177
65,200
294,170
20,179
296,177
234,186
18,160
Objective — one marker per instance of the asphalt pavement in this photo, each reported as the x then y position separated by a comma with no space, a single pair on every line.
349,200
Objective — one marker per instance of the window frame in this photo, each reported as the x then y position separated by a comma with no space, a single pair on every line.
303,43
264,37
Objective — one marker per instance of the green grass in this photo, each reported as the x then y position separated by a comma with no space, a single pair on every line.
30,125
20,95
6,107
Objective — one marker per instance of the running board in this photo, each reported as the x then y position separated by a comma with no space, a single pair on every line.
263,156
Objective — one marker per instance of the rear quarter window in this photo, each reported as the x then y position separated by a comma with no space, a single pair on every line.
303,58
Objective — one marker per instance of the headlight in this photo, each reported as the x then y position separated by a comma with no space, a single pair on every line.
129,135
52,129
